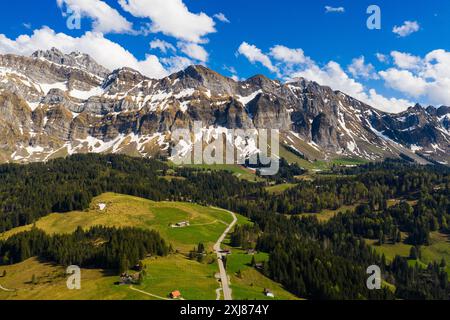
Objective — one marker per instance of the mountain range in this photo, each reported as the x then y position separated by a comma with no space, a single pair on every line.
54,104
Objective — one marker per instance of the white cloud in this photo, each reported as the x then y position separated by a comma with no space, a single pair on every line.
405,60
332,75
106,19
426,78
287,55
359,69
172,18
193,51
392,105
404,81
382,57
162,45
254,54
408,28
329,9
437,65
107,53
221,17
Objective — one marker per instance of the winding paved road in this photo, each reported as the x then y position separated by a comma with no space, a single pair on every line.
217,248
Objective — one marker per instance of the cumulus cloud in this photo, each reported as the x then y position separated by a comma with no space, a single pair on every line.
404,81
105,19
329,9
437,65
406,61
221,17
193,51
104,51
331,75
427,77
408,28
287,55
392,105
254,55
162,45
172,18
359,69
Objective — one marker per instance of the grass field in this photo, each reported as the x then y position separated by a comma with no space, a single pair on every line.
318,165
237,170
51,283
195,280
280,188
326,214
251,283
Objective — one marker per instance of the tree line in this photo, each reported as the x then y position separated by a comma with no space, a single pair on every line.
98,247
312,259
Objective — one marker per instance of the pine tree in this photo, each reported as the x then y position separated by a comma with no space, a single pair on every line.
413,254
201,248
253,262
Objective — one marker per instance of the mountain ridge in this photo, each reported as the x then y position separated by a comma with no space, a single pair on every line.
54,104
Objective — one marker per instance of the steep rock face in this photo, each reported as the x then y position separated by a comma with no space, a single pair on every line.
268,112
324,132
53,104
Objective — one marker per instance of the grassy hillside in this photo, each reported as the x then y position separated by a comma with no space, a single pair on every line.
195,280
51,280
438,249
248,283
126,211
237,170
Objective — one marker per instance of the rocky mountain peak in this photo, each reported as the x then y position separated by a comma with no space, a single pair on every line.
74,59
416,108
200,77
442,111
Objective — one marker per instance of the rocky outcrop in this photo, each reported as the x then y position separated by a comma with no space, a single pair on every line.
53,104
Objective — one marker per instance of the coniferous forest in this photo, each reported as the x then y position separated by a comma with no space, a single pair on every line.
313,259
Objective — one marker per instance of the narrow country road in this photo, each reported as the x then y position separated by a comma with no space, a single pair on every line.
217,248
218,293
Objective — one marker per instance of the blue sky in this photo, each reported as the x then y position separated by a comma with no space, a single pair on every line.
281,39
